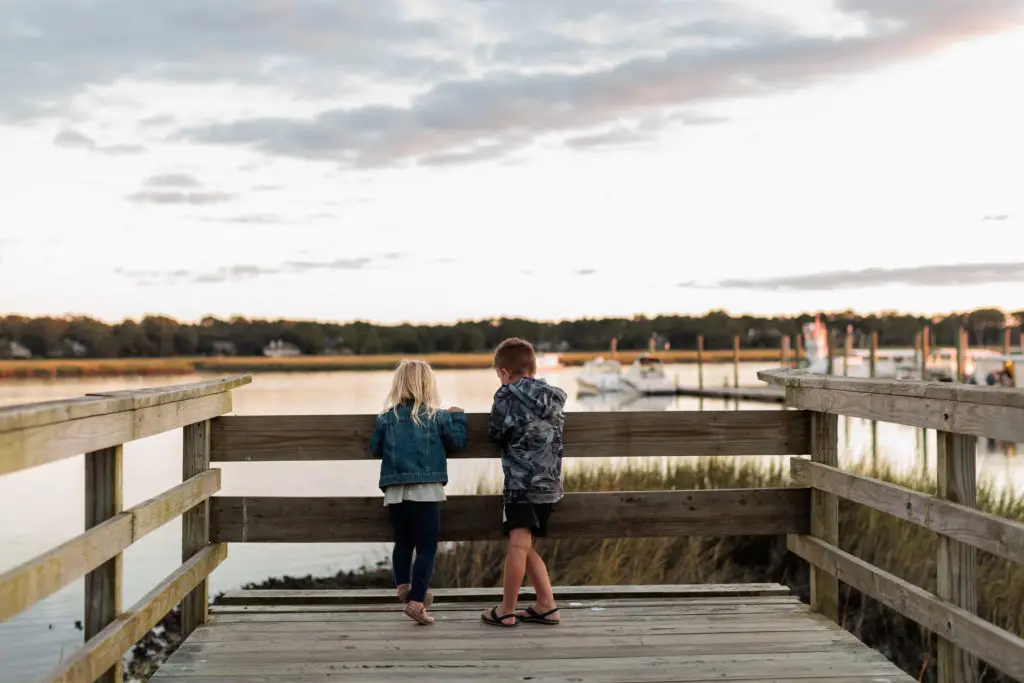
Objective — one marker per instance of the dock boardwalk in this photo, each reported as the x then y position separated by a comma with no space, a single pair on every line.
753,633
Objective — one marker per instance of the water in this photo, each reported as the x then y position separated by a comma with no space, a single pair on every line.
43,507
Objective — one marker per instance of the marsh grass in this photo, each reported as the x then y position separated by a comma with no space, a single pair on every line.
886,542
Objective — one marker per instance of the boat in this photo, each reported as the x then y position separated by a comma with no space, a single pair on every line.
647,376
600,375
547,362
1000,370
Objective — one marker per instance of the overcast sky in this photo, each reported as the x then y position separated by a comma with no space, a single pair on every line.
431,160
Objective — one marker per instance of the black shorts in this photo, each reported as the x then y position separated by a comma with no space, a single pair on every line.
532,516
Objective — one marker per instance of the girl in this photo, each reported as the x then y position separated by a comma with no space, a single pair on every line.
412,438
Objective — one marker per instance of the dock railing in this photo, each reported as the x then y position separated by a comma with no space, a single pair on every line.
958,413
99,425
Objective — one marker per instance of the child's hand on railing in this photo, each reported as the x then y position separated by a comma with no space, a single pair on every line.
456,409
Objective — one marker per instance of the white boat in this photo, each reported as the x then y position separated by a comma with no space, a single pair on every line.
889,363
999,370
600,376
546,362
647,376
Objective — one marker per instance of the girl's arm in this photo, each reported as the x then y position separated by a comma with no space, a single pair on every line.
454,430
377,438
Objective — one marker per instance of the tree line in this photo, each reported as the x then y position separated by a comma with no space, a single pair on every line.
156,336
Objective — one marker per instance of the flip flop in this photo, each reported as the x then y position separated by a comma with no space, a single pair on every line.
403,595
419,616
532,616
495,620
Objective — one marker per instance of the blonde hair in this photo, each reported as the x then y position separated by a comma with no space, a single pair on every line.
414,382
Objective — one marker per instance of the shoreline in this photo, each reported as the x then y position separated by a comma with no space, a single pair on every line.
187,365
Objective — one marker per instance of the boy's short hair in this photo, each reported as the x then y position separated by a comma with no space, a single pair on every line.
516,356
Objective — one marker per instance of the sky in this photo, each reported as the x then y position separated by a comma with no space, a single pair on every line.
435,160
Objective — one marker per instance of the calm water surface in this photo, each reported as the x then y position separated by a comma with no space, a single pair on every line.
42,507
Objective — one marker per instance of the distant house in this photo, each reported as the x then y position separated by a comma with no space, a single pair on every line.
12,349
224,348
279,348
72,348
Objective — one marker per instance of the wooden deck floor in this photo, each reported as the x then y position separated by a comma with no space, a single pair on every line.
696,633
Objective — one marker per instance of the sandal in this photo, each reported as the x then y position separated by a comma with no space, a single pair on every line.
532,616
493,619
403,595
420,616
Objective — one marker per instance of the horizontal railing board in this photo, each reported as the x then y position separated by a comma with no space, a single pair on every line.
708,512
995,645
977,419
88,662
988,532
28,583
906,388
52,412
364,596
247,438
34,446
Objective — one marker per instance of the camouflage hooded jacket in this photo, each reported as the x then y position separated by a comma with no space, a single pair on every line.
527,420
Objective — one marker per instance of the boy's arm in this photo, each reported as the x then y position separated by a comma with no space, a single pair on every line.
454,430
377,438
497,428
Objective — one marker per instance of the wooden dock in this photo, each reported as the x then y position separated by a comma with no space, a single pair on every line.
629,633
672,633
761,394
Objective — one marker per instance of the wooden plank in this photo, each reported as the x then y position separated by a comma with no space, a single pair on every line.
991,533
825,513
103,500
996,646
195,525
33,446
34,580
939,391
258,438
955,576
715,512
998,422
565,593
105,650
92,405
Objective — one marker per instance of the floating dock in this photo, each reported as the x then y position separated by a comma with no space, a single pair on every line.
762,394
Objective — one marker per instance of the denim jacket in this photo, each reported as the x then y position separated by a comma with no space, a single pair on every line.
413,453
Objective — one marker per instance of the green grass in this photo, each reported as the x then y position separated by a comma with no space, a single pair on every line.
893,545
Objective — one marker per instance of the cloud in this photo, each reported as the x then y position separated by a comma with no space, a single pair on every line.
73,139
711,58
170,197
611,138
248,271
585,271
179,180
922,276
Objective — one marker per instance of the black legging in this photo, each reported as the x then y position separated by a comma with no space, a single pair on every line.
416,526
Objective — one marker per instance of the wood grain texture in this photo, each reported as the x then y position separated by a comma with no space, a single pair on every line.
999,422
996,646
955,575
825,513
92,405
103,498
346,437
33,446
195,524
364,596
715,512
28,583
988,532
939,391
88,662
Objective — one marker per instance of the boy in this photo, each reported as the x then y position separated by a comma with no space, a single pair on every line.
527,420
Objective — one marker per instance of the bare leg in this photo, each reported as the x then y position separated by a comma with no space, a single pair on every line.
538,573
520,542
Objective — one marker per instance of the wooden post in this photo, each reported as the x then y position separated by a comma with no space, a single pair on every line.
825,513
847,347
961,356
831,351
103,584
785,351
925,351
700,362
799,350
873,367
957,561
736,360
1007,340
195,524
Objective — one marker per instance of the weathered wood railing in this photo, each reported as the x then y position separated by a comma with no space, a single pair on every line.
959,413
98,425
